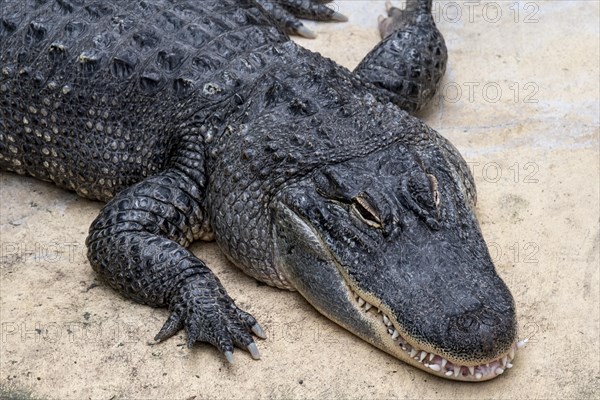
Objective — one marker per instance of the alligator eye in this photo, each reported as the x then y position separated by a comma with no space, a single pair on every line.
433,183
366,212
422,191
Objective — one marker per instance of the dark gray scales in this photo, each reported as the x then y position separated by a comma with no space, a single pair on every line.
197,120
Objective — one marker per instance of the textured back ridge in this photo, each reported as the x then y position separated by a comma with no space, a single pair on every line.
112,81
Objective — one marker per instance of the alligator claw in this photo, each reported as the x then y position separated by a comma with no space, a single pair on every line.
388,5
258,331
338,17
253,351
396,18
229,356
303,31
288,12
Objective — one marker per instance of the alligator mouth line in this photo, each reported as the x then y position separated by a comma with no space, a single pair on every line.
435,363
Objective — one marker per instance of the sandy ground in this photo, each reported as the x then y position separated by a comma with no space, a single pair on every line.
529,126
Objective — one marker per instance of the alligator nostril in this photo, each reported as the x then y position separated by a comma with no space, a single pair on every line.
480,334
465,322
474,320
489,318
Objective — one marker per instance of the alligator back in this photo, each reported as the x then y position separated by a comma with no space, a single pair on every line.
95,96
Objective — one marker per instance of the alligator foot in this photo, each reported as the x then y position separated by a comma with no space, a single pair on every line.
288,12
400,18
408,64
208,314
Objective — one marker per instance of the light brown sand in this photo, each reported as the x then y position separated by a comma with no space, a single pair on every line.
535,157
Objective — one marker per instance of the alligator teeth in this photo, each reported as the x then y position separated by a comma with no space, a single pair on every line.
435,367
497,367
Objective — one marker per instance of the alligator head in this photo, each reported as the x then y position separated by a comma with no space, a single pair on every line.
387,245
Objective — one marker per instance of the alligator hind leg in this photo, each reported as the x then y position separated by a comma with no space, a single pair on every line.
407,66
288,12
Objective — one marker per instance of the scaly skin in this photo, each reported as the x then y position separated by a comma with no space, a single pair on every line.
201,120
411,60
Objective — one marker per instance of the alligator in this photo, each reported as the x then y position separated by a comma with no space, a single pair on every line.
202,120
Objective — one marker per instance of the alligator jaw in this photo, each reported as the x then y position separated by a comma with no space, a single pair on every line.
402,346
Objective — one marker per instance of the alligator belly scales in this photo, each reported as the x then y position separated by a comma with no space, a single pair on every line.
201,120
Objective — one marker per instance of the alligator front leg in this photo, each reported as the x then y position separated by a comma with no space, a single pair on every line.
407,66
288,12
137,244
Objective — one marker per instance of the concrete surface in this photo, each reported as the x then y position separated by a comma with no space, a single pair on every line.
534,150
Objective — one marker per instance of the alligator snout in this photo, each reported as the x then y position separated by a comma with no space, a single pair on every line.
484,333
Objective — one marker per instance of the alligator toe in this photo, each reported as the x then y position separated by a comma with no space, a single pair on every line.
288,13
